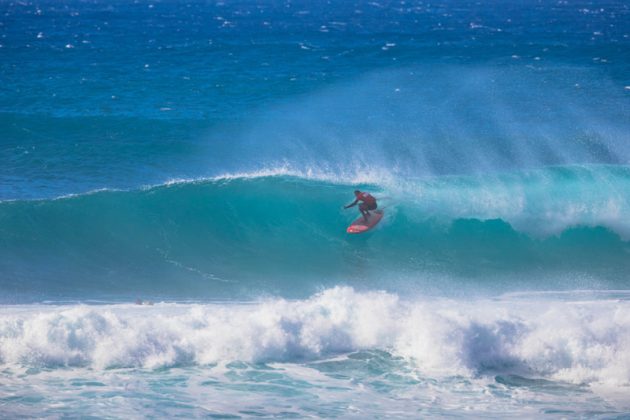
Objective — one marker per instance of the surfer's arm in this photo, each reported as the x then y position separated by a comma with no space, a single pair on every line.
354,203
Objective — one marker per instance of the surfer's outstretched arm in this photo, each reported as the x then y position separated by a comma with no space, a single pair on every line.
354,203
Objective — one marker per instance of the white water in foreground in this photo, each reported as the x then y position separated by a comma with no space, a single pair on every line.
338,351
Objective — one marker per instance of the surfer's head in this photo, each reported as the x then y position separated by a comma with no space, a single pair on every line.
357,192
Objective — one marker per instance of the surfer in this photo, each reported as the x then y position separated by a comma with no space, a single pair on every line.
368,203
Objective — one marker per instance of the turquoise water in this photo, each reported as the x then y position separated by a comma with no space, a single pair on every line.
238,238
195,158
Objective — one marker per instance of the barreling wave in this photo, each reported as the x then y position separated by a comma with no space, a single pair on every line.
282,233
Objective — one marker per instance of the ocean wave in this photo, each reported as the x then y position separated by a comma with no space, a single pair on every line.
577,341
559,196
259,232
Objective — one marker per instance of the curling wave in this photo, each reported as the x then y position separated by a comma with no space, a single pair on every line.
246,235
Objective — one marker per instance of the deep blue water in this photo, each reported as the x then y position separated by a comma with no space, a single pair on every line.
198,155
122,94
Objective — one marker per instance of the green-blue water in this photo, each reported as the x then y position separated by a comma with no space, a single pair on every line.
194,158
239,238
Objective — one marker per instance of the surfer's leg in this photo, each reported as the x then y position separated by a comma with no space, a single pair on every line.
364,211
367,208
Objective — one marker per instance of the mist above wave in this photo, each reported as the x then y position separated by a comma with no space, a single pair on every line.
439,119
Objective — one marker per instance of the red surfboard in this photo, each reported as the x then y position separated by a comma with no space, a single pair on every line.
361,226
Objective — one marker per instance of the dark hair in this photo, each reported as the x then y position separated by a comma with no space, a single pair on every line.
357,192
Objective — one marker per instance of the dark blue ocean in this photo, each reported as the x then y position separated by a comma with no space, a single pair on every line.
172,232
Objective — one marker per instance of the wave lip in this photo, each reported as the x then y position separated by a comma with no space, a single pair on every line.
581,342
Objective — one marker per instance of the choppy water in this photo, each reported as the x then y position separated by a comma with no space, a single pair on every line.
197,155
338,353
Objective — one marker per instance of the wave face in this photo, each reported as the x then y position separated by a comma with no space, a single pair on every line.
238,237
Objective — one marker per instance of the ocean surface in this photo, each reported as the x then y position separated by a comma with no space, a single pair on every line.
172,231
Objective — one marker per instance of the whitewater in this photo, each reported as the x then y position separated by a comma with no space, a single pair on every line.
172,232
340,352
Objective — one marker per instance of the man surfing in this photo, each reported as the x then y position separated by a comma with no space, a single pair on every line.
368,203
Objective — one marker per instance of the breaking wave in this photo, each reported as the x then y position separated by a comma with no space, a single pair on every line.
284,232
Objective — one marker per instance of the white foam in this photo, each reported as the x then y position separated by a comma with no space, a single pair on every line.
574,341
